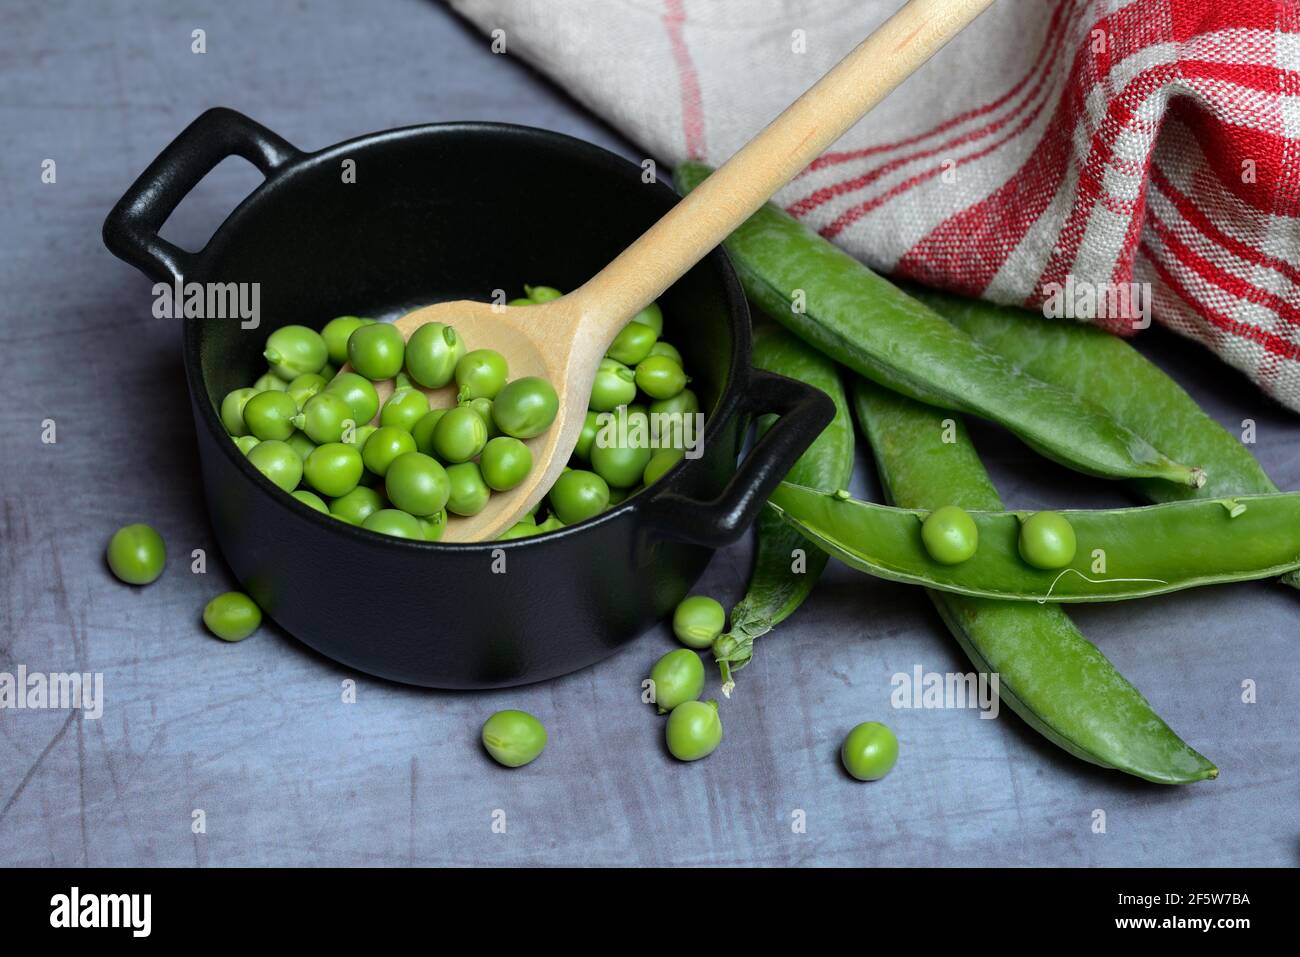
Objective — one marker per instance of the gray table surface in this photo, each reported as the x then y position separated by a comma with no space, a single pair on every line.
256,734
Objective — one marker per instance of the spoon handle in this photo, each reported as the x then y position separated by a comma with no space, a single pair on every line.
710,213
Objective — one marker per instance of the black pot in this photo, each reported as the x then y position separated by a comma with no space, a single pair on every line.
442,212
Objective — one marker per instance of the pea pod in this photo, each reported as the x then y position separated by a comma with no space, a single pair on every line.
1122,553
1048,672
836,304
1112,374
780,581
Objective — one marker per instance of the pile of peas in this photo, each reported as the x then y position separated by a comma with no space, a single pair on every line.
307,428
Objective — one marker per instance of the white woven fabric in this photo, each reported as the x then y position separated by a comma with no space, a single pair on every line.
1092,141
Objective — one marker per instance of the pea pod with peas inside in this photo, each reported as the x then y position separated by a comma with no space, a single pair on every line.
1048,672
780,581
841,307
1121,553
1112,374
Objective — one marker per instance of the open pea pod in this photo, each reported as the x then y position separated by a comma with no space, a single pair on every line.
1049,673
1122,553
1110,373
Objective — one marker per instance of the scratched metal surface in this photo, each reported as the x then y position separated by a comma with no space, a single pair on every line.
256,735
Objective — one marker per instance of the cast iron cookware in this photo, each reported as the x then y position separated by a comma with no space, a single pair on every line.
440,212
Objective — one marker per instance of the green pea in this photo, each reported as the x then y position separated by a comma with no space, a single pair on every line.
356,506
270,382
417,484
324,417
521,529
422,431
484,408
678,676
333,469
578,495
525,407
651,316
433,525
684,402
949,535
358,435
232,411
467,492
432,353
513,738
590,425
660,377
358,392
542,293
301,443
615,385
269,415
328,371
336,333
391,521
480,374
551,524
671,415
384,445
633,343
136,554
311,500
660,462
505,462
1047,540
617,495
620,465
305,386
294,350
667,350
246,443
232,616
698,620
693,730
377,351
405,407
638,423
869,751
459,435
521,301
278,462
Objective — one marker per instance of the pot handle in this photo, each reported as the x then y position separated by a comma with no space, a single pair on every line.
131,229
804,411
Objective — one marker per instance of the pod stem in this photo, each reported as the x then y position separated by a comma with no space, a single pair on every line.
733,650
728,682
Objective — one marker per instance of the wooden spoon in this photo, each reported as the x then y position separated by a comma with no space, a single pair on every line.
564,340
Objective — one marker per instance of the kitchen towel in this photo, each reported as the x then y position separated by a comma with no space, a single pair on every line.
1098,159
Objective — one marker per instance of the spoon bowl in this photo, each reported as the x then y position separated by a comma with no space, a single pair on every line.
525,336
